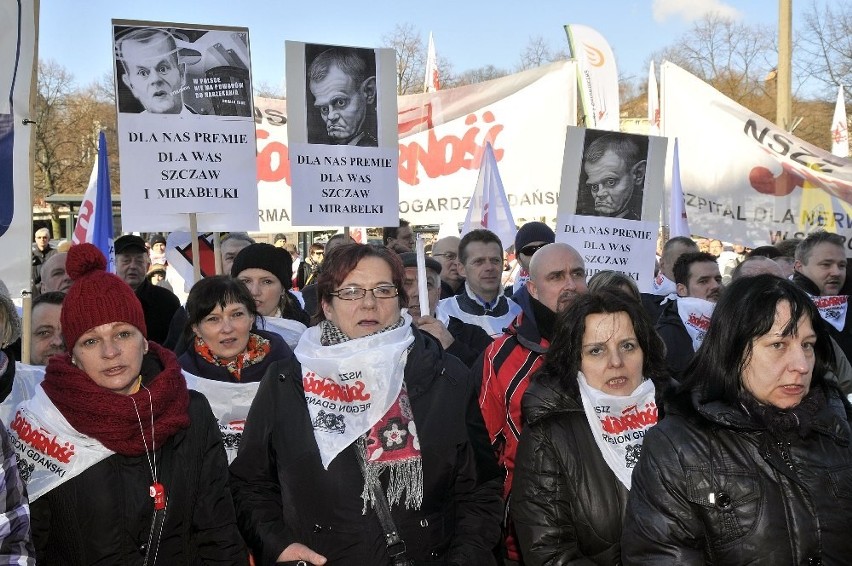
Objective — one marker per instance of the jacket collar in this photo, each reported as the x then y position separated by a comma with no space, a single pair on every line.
832,420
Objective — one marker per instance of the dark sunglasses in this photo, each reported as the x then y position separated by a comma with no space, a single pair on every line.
531,249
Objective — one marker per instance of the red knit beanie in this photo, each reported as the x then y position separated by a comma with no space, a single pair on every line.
96,297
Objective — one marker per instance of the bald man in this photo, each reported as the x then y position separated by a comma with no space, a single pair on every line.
53,275
446,252
557,278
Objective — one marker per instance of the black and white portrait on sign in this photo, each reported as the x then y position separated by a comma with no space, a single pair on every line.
186,71
341,95
612,175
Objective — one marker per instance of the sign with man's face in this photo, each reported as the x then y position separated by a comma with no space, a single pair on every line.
610,200
185,127
341,105
342,129
151,70
612,178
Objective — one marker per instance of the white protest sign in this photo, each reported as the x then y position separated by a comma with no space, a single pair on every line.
343,135
442,137
610,198
185,126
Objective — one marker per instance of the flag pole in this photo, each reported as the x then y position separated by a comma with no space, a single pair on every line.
196,251
217,253
26,327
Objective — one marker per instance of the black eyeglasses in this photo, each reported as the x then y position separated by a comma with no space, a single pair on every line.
450,256
532,248
316,253
355,293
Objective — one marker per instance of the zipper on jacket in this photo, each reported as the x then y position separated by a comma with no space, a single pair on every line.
784,449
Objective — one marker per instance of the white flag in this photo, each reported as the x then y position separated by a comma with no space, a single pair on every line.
678,222
597,76
489,207
430,81
653,103
839,131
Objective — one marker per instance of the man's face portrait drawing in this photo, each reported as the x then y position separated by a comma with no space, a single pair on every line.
151,70
615,172
344,93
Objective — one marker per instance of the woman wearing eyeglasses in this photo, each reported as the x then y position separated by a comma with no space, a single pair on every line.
371,416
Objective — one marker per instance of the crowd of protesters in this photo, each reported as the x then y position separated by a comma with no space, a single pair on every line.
310,411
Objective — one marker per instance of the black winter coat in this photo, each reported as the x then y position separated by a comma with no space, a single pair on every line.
283,494
679,349
103,516
567,505
714,487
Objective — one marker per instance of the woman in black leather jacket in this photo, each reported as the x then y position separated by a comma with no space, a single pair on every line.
586,412
752,463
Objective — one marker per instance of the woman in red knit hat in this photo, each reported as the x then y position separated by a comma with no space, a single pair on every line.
123,464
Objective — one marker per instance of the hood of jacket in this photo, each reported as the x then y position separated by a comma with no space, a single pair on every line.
832,420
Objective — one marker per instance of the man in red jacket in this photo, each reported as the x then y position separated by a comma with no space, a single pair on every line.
557,277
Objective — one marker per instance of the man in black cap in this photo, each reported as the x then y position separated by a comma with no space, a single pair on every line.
158,303
464,341
530,238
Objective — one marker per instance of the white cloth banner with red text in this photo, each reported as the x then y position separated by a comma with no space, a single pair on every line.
442,138
745,179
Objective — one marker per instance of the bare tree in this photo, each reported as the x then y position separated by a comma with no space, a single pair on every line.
267,90
735,58
410,57
480,74
824,47
68,120
538,52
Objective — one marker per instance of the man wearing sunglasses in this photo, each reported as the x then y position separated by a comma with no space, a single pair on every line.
531,237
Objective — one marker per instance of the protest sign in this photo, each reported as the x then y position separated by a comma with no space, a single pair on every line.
185,126
442,137
343,135
610,198
744,178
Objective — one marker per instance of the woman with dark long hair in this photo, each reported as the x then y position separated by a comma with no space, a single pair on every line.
586,412
752,463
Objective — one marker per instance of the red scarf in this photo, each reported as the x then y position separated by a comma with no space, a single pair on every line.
109,417
256,350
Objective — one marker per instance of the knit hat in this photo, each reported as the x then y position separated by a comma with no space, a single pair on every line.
533,232
409,259
157,239
96,297
265,256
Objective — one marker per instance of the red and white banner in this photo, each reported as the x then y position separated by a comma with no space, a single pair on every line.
430,80
745,179
489,207
653,102
597,76
442,137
